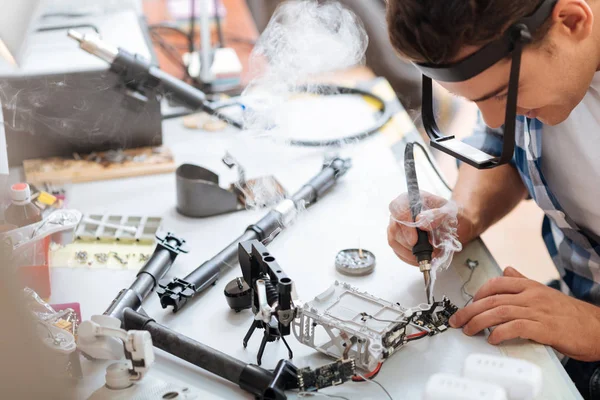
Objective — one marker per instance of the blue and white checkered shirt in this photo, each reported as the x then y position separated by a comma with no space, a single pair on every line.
574,250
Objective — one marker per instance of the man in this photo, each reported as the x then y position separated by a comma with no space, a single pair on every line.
556,162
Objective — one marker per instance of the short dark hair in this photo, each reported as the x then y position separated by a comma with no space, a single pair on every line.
434,31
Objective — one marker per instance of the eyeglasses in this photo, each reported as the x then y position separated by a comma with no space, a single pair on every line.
510,44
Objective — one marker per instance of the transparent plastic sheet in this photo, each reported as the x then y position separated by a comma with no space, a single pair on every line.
439,218
58,221
42,310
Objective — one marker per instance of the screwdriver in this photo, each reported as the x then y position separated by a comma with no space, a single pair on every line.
422,250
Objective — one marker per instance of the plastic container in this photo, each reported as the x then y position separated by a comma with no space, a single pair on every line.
21,212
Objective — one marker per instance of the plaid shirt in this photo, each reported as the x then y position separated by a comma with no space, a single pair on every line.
574,250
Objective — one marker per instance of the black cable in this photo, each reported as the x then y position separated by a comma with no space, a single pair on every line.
332,90
438,173
171,55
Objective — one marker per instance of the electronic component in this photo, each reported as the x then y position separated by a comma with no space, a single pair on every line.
434,316
328,375
238,295
355,262
363,327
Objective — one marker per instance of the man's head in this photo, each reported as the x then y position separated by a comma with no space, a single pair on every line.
556,69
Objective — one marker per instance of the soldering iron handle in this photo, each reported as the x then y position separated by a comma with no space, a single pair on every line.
423,248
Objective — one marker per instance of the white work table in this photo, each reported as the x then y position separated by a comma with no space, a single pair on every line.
355,213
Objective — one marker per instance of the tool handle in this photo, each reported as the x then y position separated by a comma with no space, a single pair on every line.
423,248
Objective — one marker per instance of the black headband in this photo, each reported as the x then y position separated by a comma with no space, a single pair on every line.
491,53
511,44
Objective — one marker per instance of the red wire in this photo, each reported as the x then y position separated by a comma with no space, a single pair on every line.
416,335
368,375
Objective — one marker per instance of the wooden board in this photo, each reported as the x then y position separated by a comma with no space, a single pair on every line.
100,166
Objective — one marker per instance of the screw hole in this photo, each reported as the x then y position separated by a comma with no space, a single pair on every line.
269,259
170,395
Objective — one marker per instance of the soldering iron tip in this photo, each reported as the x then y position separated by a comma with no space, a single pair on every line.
75,35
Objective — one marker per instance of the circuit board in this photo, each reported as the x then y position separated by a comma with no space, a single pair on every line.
328,375
436,318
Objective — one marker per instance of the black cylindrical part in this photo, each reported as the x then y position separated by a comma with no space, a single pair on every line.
207,273
196,353
285,293
188,95
126,299
143,285
155,268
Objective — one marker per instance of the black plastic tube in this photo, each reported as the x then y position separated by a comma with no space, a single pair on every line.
167,249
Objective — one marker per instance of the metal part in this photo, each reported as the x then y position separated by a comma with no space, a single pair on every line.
200,195
81,256
94,45
355,262
102,258
118,258
260,382
177,292
368,338
425,268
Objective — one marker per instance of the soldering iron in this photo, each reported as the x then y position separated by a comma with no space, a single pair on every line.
142,78
423,250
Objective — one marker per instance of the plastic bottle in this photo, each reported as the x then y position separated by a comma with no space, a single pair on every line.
21,212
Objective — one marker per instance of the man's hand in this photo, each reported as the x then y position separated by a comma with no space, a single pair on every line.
442,219
521,308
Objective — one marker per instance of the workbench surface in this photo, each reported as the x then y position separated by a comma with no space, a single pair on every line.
354,214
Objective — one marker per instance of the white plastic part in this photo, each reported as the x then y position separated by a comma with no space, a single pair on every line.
117,376
521,379
92,338
451,387
139,345
264,310
102,338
